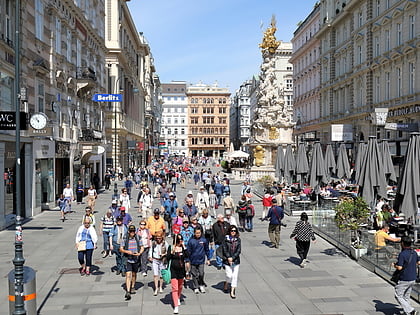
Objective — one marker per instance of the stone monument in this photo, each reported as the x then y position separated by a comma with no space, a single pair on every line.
273,121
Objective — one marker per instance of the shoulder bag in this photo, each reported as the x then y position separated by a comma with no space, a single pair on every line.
397,273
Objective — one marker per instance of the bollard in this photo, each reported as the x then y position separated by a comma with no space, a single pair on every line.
29,290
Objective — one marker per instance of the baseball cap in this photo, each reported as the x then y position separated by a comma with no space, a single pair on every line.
122,208
274,201
119,218
201,187
171,194
132,228
114,202
156,210
185,220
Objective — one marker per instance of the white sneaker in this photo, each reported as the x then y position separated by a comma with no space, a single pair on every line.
179,302
176,310
196,291
202,289
160,290
144,274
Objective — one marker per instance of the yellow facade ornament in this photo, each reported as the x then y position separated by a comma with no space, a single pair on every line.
259,155
273,133
270,43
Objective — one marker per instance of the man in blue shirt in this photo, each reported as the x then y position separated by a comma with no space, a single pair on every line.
407,262
198,248
275,214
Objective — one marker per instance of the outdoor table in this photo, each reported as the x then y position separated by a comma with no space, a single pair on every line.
302,203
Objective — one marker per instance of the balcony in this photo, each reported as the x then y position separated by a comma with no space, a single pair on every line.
86,80
90,135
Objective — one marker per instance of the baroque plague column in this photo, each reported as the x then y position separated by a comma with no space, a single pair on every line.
273,121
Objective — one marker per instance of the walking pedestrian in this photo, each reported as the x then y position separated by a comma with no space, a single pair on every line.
250,213
107,223
198,249
91,197
125,199
86,239
146,238
145,203
157,255
155,223
80,192
89,215
177,256
241,209
303,234
63,205
132,248
228,203
68,195
407,262
275,214
220,229
116,238
170,207
231,250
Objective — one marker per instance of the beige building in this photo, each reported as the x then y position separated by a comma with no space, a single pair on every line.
208,120
131,73
306,74
369,57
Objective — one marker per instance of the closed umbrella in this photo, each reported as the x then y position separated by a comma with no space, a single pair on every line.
330,164
289,164
302,165
409,184
280,162
318,172
343,165
361,151
372,181
387,161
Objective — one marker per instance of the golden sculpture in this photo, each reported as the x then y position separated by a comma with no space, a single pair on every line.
273,133
259,154
270,43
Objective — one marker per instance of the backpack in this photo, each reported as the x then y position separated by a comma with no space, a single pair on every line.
250,211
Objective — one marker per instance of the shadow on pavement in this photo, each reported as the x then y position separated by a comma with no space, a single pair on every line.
266,243
386,308
294,260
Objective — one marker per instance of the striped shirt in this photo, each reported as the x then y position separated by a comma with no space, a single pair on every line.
107,223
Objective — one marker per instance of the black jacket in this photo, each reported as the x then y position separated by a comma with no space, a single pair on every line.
219,233
231,248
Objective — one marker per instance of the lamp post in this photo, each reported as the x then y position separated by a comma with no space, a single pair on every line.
18,260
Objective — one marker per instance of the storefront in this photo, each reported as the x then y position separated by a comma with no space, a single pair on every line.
44,194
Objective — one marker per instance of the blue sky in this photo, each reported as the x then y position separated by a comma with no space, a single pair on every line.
213,40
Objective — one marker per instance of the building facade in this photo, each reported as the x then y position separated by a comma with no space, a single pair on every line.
208,120
174,128
306,75
368,60
240,116
132,73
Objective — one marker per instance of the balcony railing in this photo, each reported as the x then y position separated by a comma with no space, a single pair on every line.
85,73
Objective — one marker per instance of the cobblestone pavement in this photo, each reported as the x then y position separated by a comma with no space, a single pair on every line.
270,280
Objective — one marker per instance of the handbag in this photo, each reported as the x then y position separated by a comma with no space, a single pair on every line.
397,273
81,246
166,273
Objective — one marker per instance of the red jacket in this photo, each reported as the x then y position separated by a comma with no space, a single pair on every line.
266,201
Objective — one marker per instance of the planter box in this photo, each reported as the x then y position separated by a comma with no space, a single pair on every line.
356,253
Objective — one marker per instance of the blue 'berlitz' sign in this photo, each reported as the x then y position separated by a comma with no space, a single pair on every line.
107,98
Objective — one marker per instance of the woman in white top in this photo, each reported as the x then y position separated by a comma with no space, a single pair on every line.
91,197
157,255
125,199
145,204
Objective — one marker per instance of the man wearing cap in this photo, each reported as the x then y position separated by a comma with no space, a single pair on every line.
169,208
131,249
116,236
275,214
115,209
155,223
189,195
127,219
219,233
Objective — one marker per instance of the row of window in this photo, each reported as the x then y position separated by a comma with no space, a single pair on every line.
170,131
174,98
208,131
176,120
208,120
211,100
176,143
208,110
195,141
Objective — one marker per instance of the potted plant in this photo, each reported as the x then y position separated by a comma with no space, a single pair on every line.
266,181
350,214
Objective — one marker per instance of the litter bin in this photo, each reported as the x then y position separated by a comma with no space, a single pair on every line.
29,290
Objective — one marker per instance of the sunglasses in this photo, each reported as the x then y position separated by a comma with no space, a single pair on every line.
233,230
131,230
142,223
181,212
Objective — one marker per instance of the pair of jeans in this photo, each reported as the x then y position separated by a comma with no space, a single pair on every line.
119,258
403,293
105,235
144,259
219,261
85,254
249,223
197,274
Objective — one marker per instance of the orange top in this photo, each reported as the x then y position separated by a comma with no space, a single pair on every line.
155,225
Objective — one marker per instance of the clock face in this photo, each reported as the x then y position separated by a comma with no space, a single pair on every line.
38,121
